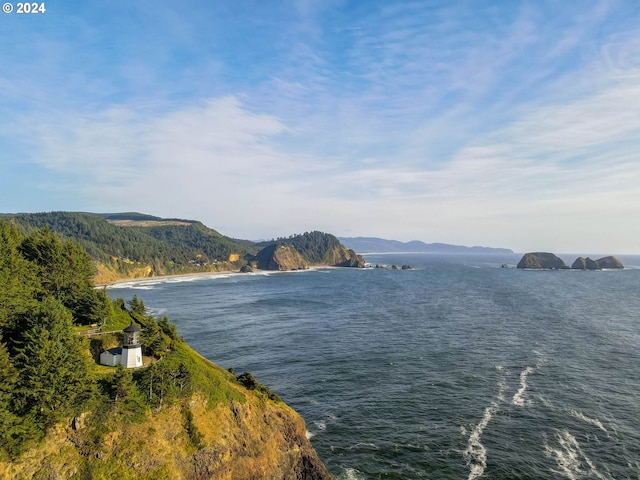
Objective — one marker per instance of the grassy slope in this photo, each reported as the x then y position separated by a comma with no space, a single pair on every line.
244,435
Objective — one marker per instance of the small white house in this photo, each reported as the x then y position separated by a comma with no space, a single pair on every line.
111,357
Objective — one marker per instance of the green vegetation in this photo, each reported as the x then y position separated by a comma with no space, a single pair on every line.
316,248
250,383
166,247
132,245
47,374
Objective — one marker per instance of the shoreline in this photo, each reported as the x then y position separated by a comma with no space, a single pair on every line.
207,274
162,277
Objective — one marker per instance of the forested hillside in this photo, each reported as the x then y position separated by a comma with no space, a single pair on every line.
134,245
64,416
46,370
316,248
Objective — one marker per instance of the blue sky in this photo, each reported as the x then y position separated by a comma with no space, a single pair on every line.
498,123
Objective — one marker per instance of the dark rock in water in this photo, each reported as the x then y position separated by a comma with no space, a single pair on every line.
394,267
609,262
406,267
541,261
604,262
246,269
378,265
504,265
582,263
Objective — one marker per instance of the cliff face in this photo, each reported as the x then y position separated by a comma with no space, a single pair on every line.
281,257
345,257
242,440
311,248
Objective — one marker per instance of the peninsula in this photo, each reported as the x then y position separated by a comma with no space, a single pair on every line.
178,416
134,245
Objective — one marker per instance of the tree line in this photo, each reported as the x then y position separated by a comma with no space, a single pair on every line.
167,249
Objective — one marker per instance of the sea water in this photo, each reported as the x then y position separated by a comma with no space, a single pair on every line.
455,369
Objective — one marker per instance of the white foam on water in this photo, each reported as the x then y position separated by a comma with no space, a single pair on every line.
321,424
366,445
151,283
309,434
571,460
517,397
476,452
351,474
592,421
135,285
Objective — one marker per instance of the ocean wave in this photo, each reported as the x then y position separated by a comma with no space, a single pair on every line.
134,285
351,474
589,420
151,283
517,397
321,424
571,460
476,452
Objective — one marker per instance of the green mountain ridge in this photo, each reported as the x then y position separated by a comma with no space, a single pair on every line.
135,245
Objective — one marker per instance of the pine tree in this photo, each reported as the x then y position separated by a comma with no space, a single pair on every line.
53,364
18,281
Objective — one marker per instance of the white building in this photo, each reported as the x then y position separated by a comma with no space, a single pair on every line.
129,355
131,348
111,357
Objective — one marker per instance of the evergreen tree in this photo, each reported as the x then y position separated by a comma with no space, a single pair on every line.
65,271
53,364
18,280
8,420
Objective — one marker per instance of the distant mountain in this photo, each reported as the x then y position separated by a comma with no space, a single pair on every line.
380,245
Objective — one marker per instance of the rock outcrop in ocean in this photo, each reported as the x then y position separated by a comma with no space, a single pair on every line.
589,264
302,251
549,261
541,261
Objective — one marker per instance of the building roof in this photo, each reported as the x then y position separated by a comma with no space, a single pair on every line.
131,328
114,351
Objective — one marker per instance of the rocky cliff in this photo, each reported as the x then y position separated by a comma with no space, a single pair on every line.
249,437
301,251
541,261
281,257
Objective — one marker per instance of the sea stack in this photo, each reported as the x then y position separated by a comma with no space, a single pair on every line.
582,263
609,262
541,261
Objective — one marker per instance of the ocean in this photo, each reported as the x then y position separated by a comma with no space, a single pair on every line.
455,369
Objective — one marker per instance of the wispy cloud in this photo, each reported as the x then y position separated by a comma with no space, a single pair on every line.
407,119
